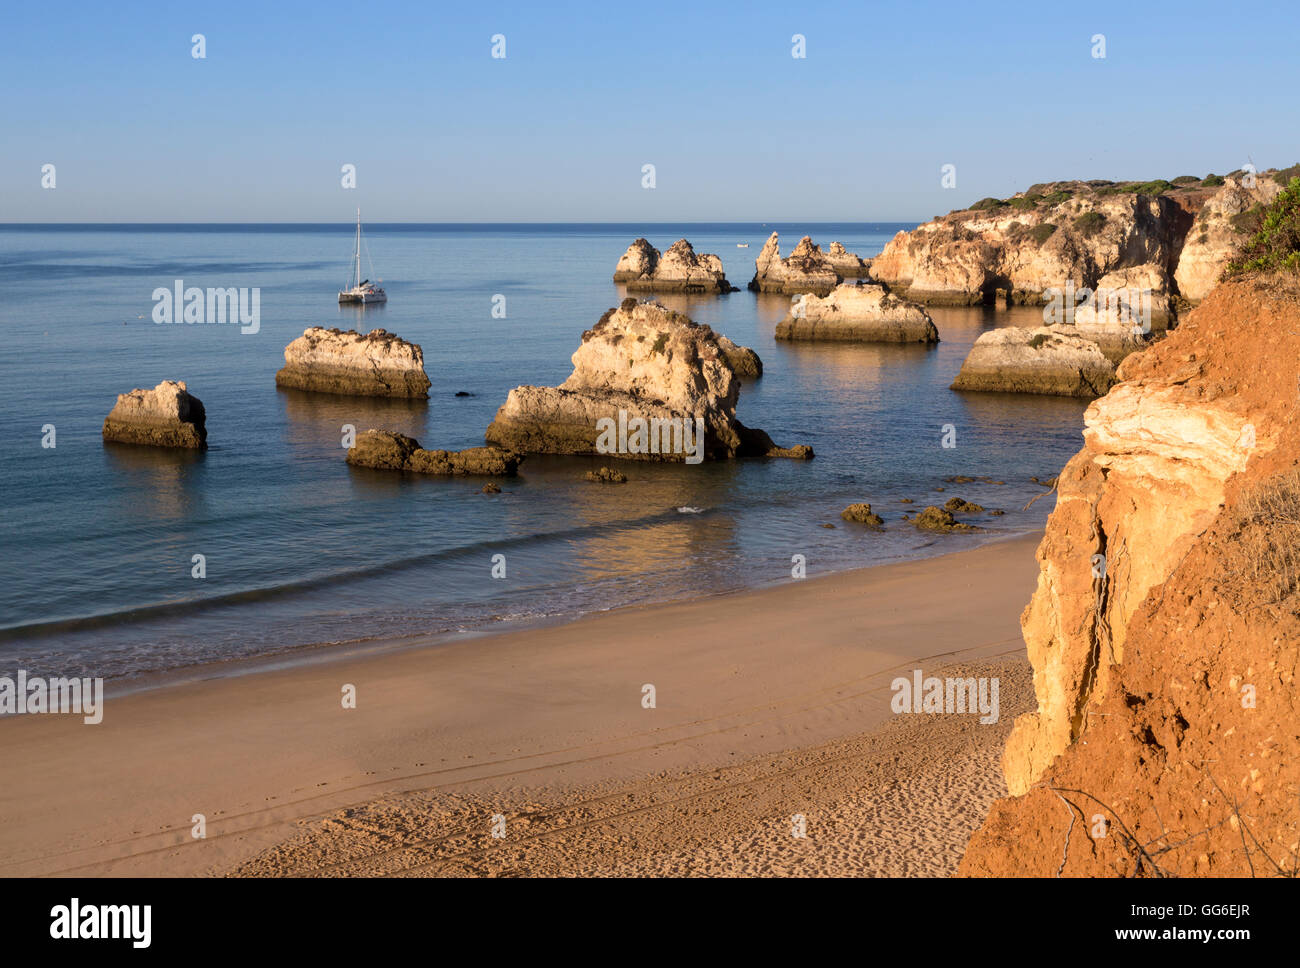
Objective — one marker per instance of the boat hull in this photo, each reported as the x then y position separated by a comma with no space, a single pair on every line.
362,298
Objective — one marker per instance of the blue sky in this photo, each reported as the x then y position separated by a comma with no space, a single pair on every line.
736,127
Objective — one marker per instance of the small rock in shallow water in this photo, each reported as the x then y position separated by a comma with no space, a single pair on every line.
957,504
938,519
861,513
607,475
490,488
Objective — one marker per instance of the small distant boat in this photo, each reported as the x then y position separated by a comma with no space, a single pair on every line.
363,290
742,245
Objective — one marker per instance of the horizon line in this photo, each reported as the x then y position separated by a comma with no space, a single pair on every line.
778,221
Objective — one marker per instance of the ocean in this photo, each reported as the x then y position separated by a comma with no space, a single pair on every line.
302,551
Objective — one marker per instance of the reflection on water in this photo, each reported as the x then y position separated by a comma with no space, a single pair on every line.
156,484
316,420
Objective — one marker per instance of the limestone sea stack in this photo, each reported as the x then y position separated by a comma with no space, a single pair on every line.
385,450
1047,360
376,364
680,269
864,313
847,264
644,379
1164,624
806,269
166,416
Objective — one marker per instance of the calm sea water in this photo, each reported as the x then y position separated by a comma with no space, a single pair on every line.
301,550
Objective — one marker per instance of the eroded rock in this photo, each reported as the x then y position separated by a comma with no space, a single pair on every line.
1048,360
376,364
680,269
389,451
857,313
647,384
166,416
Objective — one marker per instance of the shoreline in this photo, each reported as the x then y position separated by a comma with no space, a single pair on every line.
740,675
312,653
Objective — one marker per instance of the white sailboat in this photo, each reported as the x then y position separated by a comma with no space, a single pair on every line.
362,290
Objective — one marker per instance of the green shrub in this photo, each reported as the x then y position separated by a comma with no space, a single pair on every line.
1037,340
1276,246
1212,181
1284,176
1156,187
1025,202
1249,221
1041,233
1187,180
985,204
1089,223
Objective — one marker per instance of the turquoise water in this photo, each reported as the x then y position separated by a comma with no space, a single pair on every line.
302,550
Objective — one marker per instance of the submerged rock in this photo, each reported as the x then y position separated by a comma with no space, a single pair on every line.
389,451
166,416
862,313
862,514
679,269
806,269
647,384
1048,360
941,520
607,475
377,364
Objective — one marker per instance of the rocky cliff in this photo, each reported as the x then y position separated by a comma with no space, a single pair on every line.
166,416
1172,239
647,373
376,364
859,313
1165,628
680,269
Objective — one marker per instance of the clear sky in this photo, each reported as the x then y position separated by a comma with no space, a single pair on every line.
558,130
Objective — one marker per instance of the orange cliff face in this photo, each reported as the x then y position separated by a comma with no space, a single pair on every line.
1165,628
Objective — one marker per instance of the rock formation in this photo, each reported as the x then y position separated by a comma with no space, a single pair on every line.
1173,240
388,451
861,313
941,520
166,416
1164,627
806,269
1049,360
862,514
644,379
679,269
744,361
377,364
847,265
1214,237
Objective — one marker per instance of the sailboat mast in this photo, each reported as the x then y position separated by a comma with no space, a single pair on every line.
358,247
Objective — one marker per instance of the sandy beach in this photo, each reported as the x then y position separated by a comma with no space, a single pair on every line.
769,705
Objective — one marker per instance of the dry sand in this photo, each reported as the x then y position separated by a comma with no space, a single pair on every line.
769,703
